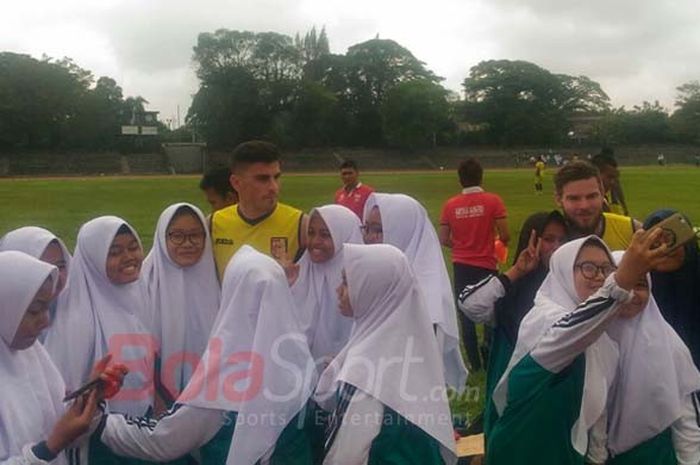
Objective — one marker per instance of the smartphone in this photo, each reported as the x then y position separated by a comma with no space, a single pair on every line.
676,231
95,384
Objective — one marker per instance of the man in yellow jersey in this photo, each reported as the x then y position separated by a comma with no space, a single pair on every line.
258,219
579,193
539,173
610,177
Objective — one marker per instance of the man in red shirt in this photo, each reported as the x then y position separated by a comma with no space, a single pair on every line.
353,194
468,225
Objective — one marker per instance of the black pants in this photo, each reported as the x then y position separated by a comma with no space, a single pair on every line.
465,275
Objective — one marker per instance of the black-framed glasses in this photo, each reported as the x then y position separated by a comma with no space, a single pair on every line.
368,229
179,237
590,270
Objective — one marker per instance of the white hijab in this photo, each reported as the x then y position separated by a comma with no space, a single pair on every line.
406,225
556,298
95,317
314,290
391,326
258,361
183,302
32,388
656,376
33,241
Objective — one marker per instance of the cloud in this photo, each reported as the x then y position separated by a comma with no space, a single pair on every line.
638,50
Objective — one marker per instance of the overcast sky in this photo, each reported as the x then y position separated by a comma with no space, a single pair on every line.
637,49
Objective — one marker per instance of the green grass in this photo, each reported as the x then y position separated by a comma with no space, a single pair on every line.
62,205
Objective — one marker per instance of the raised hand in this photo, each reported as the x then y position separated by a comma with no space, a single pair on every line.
528,259
291,269
645,252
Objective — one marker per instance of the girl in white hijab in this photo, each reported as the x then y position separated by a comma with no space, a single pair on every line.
652,417
388,384
556,384
35,426
41,244
319,276
401,221
245,402
101,312
183,292
45,246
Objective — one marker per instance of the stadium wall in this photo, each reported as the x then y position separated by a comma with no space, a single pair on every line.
179,160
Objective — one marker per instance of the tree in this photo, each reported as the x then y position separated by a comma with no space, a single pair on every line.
224,49
231,63
375,66
96,123
317,116
275,58
522,103
38,99
268,56
303,93
414,112
53,104
685,121
361,79
648,123
645,123
130,108
331,71
582,94
688,93
313,46
226,109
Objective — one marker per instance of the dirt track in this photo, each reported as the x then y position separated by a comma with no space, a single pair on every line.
286,174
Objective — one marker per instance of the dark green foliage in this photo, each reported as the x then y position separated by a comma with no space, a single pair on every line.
53,105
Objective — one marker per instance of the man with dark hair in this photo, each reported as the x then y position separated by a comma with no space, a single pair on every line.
216,184
614,201
353,194
258,219
467,226
470,173
579,193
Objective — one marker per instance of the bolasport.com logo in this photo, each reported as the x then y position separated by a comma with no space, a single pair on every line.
227,378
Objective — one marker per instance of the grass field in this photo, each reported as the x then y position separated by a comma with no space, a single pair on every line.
62,205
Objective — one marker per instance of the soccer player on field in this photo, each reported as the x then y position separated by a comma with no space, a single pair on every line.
258,219
579,193
539,174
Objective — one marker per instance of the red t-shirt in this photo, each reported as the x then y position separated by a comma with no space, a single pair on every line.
471,217
355,199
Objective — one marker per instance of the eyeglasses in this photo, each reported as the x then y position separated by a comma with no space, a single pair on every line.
368,229
590,270
179,237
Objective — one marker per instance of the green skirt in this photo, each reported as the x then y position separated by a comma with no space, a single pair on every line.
301,441
655,451
543,407
501,352
400,442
